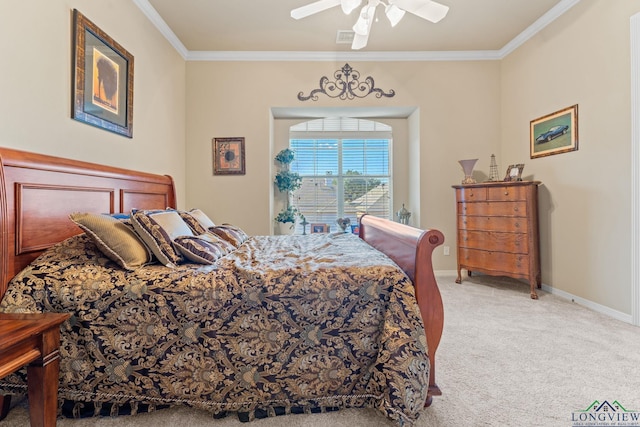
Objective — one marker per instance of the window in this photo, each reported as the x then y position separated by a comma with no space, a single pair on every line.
345,166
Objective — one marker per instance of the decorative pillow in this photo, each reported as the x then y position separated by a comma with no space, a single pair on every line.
114,238
197,220
158,229
205,248
230,233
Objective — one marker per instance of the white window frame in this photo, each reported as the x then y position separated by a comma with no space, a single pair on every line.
357,133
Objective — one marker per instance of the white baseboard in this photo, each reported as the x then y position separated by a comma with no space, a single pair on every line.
627,318
445,272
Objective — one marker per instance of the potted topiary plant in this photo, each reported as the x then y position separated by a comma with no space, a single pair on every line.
287,182
286,156
286,220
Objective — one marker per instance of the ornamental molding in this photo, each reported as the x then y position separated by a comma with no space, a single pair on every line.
347,85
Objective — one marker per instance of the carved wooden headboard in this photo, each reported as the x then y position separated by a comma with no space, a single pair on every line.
38,192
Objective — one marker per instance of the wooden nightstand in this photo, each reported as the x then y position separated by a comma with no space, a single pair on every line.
33,340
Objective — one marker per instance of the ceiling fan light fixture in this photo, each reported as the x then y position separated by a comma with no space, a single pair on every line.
363,24
394,10
393,13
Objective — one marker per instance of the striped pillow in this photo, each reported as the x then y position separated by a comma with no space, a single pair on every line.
205,248
158,229
230,233
197,220
115,239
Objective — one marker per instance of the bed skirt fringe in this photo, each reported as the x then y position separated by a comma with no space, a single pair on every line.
69,408
77,409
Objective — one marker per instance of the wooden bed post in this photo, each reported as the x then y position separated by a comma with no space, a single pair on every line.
429,301
412,249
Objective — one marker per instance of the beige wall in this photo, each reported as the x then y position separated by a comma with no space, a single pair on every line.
456,116
581,58
35,87
459,110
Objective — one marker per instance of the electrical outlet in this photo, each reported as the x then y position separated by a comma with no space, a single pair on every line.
446,250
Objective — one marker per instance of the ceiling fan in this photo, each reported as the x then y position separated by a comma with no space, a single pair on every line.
393,9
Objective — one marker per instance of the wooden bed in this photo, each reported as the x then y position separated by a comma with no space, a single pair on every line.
38,192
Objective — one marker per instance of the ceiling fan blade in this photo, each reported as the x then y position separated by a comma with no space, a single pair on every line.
359,41
394,14
312,8
349,5
425,9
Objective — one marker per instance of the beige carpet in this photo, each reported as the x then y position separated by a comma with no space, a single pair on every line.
504,360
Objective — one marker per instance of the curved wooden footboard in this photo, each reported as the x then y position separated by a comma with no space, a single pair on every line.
412,249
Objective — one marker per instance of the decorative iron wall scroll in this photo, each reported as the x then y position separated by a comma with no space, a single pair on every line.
347,85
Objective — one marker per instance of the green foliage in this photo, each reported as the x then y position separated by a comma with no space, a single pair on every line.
288,181
285,156
356,187
288,215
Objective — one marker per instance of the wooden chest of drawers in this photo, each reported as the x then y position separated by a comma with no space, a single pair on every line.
498,230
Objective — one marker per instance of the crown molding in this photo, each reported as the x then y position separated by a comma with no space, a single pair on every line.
341,56
155,18
533,29
480,55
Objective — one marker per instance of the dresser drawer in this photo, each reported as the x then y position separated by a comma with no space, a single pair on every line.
497,262
488,223
507,193
497,230
494,241
471,194
493,208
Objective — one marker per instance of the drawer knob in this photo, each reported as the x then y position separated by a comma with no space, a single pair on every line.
506,193
515,209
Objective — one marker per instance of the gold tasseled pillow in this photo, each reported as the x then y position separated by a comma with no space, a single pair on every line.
114,238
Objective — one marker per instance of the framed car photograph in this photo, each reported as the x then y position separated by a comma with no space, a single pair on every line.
228,156
554,133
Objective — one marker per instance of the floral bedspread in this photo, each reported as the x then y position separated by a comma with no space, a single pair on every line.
283,322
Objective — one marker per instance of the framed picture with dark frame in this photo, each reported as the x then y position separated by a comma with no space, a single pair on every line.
102,79
228,156
554,133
